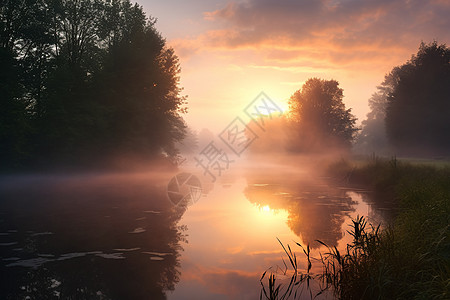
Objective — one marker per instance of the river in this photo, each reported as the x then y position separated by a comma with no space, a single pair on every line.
124,236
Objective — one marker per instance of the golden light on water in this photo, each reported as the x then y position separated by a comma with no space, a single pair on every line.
265,217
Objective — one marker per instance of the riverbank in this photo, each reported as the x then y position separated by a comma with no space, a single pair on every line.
412,257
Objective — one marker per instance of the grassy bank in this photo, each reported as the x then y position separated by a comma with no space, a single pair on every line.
410,258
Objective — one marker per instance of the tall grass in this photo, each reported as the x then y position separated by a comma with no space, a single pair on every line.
409,259
341,272
280,289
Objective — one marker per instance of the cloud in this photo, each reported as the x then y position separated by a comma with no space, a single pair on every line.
341,22
234,283
338,33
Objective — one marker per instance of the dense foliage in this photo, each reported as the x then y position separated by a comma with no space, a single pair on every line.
320,116
412,105
85,81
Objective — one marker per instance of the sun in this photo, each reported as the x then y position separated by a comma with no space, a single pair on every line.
265,208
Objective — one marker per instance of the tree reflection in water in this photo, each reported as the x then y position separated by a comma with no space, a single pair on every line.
316,210
94,237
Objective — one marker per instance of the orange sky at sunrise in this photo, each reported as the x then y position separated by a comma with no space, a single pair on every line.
230,51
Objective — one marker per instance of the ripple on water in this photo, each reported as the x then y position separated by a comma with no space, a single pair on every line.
137,230
36,262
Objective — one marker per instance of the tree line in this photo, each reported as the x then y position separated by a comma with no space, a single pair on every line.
409,113
84,82
411,108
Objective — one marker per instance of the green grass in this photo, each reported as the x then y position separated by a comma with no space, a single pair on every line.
410,258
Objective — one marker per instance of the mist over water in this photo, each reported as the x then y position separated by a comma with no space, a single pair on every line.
119,235
120,197
85,236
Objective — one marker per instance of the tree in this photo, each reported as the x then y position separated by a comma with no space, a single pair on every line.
418,106
372,137
85,81
13,119
19,42
320,117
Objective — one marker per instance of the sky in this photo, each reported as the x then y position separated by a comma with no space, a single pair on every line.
230,51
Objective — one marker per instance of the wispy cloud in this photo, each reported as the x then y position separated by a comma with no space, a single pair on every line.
338,33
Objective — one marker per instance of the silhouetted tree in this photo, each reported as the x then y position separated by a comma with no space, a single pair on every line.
85,81
418,106
13,119
372,137
320,117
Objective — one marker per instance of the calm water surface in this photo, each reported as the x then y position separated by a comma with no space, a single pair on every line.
118,236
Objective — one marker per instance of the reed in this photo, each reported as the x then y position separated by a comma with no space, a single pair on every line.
337,267
408,259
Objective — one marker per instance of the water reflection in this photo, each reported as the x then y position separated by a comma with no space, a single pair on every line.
315,210
120,237
89,237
